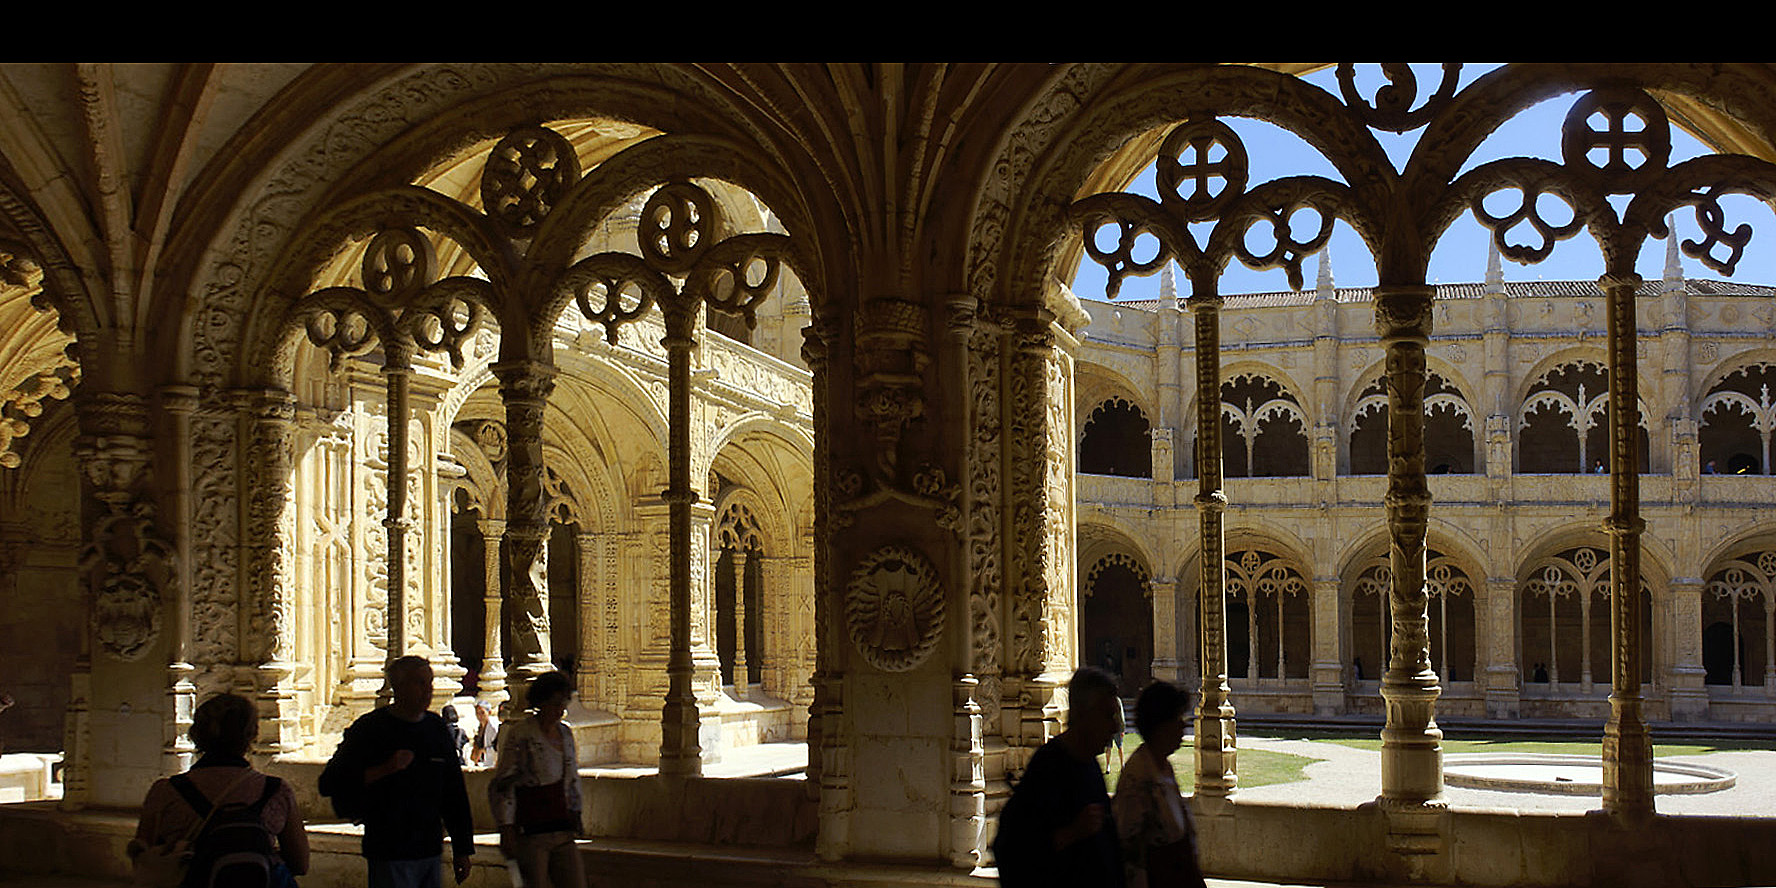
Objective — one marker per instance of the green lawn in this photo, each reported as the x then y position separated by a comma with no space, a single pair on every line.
1458,746
1257,767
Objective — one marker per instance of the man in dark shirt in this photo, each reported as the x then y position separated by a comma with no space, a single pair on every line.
1056,829
396,773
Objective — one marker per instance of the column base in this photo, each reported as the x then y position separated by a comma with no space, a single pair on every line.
1418,833
1217,754
1503,698
1328,689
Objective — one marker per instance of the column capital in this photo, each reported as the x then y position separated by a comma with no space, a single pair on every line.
1403,312
525,379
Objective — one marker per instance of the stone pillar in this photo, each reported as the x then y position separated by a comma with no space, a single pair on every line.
1685,678
1328,665
525,387
398,371
1412,757
270,536
1627,747
1216,742
126,571
829,760
588,600
1497,615
1412,752
491,685
179,402
1165,628
741,678
681,754
968,783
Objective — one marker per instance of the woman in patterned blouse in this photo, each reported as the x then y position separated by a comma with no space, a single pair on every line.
1158,835
535,790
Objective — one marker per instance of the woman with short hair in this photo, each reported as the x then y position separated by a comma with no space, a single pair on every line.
535,791
1157,832
223,729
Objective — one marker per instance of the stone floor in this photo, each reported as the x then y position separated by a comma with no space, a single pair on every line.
1341,775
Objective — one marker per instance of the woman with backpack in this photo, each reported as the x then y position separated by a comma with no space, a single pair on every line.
222,822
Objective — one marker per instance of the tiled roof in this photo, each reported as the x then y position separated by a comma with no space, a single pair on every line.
1513,290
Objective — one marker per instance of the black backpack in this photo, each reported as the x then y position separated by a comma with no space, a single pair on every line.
234,849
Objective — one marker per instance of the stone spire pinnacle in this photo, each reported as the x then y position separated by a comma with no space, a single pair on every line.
1168,285
1495,272
1673,265
1323,285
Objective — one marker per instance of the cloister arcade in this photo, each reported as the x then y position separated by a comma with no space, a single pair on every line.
755,397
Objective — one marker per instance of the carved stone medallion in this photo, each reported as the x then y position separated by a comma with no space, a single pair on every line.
894,607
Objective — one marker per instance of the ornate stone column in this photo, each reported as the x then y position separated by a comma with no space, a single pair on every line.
681,754
1412,754
1216,741
589,600
742,680
829,761
397,370
1627,748
270,537
525,388
179,402
491,685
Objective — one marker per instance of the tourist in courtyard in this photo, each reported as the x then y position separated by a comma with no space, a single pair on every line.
1057,828
1157,832
535,791
483,751
459,738
395,772
222,729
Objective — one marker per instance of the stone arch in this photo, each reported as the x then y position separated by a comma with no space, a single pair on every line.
1560,424
1269,608
419,117
1735,413
761,470
1738,614
1266,426
1449,418
1455,581
1561,600
1116,630
1114,440
40,545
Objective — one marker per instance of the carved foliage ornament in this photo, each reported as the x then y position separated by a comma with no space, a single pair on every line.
894,608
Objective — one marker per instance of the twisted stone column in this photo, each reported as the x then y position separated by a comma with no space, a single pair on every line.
1627,748
525,388
681,755
1217,773
1412,752
742,679
397,370
490,686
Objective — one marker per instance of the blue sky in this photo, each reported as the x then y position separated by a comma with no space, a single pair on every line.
1461,254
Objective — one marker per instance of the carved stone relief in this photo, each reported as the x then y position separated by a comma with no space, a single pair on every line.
894,608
